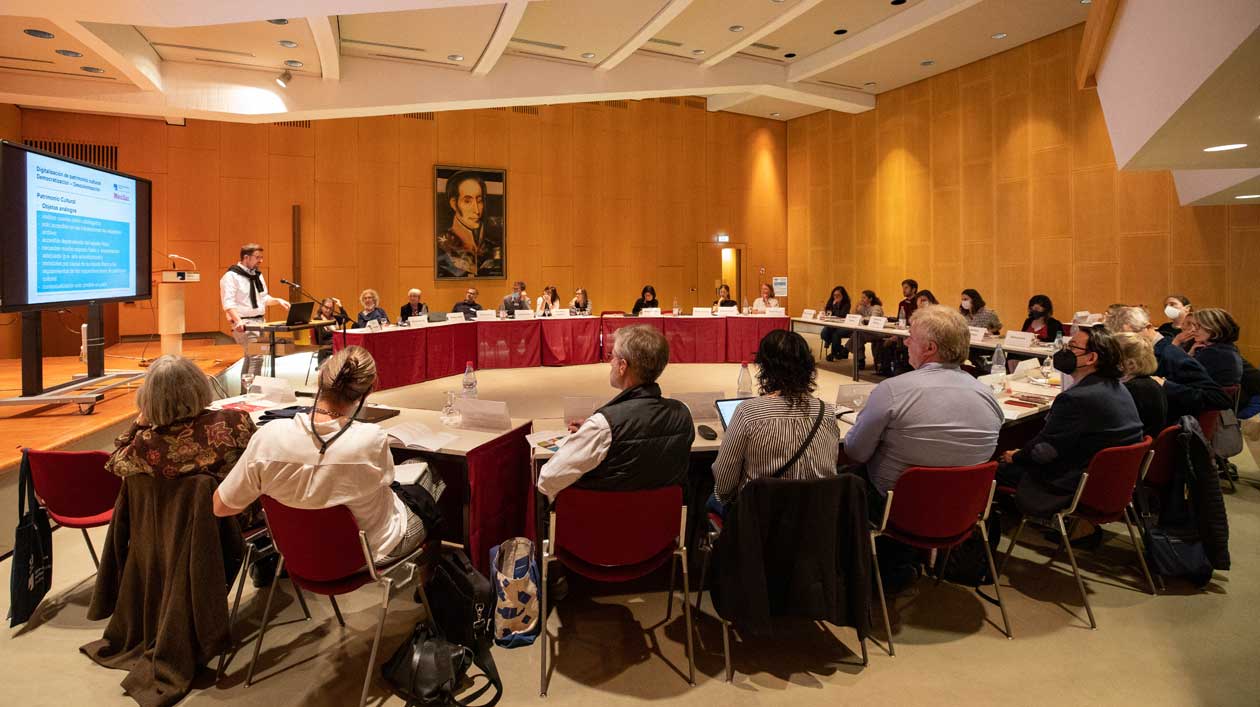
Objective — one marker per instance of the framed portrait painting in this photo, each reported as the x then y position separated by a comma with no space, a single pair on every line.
470,223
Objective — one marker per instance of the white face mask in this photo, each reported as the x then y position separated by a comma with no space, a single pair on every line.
966,304
1172,312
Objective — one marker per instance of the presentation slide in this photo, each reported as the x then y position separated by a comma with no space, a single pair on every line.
81,232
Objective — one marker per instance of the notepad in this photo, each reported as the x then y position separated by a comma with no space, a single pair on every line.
415,435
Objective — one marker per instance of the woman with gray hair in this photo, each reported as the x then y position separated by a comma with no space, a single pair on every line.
175,434
370,300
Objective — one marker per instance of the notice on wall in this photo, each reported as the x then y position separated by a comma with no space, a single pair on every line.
780,286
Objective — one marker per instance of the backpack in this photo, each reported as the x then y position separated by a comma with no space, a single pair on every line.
967,563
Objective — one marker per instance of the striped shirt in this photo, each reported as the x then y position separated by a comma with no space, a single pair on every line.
765,433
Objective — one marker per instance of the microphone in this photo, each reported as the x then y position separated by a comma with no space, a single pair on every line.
290,283
174,257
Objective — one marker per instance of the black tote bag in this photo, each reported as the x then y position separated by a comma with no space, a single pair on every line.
31,575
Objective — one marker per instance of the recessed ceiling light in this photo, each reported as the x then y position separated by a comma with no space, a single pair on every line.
288,44
41,34
455,57
697,52
736,28
1226,148
588,55
1248,196
283,79
927,62
70,53
898,2
1000,35
293,63
775,115
777,2
92,69
869,84
790,55
1086,2
279,22
841,31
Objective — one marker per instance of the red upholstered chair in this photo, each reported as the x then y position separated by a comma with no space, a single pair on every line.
1103,495
75,489
617,536
1159,471
938,508
326,553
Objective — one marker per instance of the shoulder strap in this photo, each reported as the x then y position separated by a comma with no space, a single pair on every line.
25,487
822,408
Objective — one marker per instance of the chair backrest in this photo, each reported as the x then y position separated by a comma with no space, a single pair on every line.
1113,472
1165,447
73,484
320,544
616,528
940,503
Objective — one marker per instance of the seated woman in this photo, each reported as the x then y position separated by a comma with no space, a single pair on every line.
369,299
925,298
1214,332
1040,320
766,300
175,434
581,302
324,458
1137,362
1176,307
724,297
647,299
767,432
547,301
838,305
414,307
973,310
330,308
869,305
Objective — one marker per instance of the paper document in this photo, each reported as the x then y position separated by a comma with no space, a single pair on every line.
551,440
415,435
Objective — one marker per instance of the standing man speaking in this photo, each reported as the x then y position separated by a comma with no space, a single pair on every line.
245,300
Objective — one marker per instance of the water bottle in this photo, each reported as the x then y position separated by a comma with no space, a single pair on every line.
743,385
746,310
470,381
1058,339
998,364
677,309
901,321
1047,367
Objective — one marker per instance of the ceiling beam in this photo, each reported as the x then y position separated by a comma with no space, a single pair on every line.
1097,29
899,26
122,47
509,20
648,31
328,44
727,101
147,13
768,28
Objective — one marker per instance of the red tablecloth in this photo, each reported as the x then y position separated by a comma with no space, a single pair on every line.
570,341
500,493
399,353
508,344
696,339
609,325
451,347
743,335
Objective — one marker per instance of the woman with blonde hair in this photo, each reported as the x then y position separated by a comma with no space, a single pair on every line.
1138,364
370,301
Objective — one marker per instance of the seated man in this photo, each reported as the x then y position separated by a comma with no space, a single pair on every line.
1189,388
518,300
934,415
468,306
1093,413
638,440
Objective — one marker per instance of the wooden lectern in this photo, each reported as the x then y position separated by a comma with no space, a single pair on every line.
171,284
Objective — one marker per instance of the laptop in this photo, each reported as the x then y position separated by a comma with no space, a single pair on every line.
726,409
299,313
437,316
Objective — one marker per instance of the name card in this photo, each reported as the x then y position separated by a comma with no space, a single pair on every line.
877,322
776,311
524,314
728,311
274,390
487,315
650,312
1019,338
417,321
701,312
977,334
809,314
1080,317
853,319
489,415
374,325
561,313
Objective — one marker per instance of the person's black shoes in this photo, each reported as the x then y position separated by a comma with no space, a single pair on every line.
897,580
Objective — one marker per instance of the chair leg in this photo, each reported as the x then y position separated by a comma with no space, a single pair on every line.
866,659
1150,582
673,572
997,589
1071,529
428,608
236,603
691,651
706,551
386,584
262,629
1010,550
940,573
1080,583
337,610
88,539
301,599
726,648
883,603
542,634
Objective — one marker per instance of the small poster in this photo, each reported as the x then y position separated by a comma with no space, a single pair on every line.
780,286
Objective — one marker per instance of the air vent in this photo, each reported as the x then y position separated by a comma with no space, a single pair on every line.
501,109
666,42
293,124
381,44
837,84
694,103
620,105
536,43
420,116
100,155
767,47
546,57
669,101
203,49
22,58
525,110
413,60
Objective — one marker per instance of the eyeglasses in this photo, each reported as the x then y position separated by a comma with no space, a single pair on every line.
1074,347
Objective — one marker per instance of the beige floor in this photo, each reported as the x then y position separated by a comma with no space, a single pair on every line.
1183,647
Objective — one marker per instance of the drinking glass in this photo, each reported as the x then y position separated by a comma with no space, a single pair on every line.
450,416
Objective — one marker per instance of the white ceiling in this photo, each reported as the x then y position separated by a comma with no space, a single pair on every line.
22,54
250,44
605,26
816,29
421,35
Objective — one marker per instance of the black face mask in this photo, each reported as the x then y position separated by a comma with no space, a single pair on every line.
1065,361
1035,314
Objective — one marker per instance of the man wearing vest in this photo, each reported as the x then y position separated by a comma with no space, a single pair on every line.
638,440
245,300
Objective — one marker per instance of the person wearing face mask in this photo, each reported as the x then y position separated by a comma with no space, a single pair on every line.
1040,320
972,307
1093,412
1187,385
639,439
1176,307
517,301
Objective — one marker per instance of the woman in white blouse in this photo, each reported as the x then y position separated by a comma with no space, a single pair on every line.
766,300
547,301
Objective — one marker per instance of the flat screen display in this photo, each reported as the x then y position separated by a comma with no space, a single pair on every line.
726,410
72,233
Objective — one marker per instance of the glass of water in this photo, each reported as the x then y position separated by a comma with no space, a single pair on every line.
450,416
247,382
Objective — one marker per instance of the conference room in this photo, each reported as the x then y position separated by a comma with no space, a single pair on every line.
520,351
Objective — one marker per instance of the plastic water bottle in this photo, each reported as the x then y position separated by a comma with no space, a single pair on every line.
746,310
998,364
470,381
677,309
743,385
1058,340
901,320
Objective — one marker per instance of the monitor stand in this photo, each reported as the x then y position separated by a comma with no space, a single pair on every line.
85,391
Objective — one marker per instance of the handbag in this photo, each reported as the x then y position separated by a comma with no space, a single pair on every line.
516,609
427,669
31,573
1228,440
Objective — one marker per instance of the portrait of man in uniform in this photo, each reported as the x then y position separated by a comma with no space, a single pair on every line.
469,220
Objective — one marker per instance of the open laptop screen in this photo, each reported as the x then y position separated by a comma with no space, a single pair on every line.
726,409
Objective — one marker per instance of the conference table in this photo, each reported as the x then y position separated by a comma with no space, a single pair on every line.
406,355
